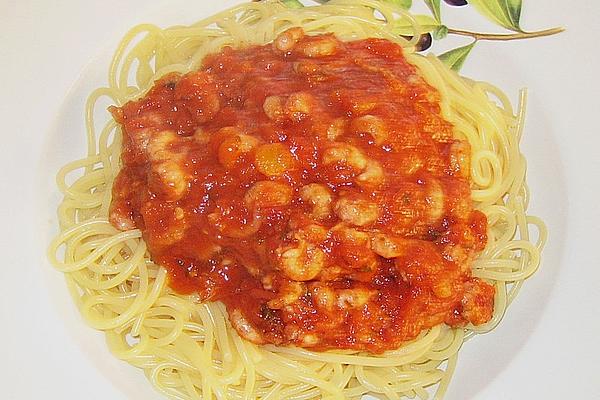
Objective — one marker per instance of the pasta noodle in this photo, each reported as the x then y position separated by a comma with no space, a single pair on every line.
188,349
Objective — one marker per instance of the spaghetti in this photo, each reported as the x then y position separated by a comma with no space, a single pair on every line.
187,348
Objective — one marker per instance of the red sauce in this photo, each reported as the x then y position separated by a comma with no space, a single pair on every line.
312,186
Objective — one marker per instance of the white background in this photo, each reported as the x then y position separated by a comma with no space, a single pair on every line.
545,348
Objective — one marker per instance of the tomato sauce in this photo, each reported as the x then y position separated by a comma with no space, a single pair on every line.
312,186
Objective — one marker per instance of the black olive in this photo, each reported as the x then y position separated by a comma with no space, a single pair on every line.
424,41
457,2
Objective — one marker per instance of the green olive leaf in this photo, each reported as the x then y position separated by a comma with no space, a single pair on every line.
295,4
405,4
514,11
440,32
434,6
402,26
456,58
506,13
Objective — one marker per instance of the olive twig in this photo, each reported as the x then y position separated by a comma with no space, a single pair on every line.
510,36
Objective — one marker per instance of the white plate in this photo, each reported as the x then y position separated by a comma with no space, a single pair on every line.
546,347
